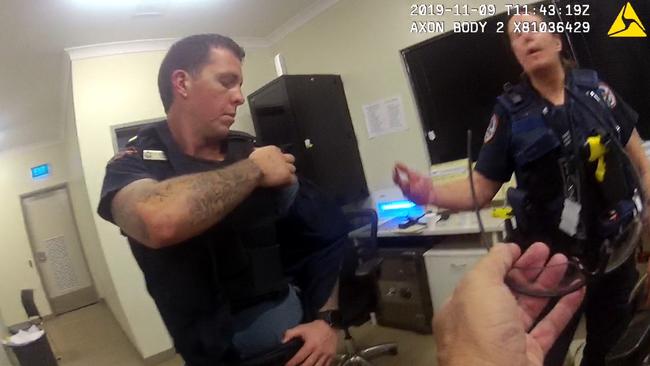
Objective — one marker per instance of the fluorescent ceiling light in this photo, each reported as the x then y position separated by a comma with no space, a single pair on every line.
131,3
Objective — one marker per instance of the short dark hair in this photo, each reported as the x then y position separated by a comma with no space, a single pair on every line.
190,54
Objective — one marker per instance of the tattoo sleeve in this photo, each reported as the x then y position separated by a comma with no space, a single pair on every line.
185,205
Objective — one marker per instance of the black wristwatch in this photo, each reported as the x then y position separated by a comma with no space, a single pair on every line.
331,317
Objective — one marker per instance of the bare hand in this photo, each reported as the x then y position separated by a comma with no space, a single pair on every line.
319,346
484,323
415,186
277,168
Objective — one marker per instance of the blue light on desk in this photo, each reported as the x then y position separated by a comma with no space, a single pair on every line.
40,172
398,208
396,205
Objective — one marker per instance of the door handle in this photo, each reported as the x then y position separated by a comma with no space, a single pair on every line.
41,257
458,266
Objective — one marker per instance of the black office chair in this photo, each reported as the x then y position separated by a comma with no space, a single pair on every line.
358,290
33,316
633,348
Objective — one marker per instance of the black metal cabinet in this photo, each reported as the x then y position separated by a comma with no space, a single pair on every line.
308,116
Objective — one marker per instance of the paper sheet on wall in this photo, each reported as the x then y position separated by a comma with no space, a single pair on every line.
384,117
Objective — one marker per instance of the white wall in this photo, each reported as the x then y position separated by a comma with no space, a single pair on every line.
84,216
116,89
15,251
107,91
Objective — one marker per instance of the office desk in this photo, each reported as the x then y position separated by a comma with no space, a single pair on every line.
453,245
458,223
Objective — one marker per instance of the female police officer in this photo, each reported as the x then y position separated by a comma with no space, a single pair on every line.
545,130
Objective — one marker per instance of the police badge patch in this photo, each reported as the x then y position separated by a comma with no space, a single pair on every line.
607,94
492,129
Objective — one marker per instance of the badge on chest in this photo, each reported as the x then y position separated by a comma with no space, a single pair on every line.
154,155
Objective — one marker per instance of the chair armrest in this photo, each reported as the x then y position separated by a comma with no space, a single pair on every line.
368,268
632,347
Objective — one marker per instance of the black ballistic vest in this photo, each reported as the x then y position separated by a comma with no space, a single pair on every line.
551,164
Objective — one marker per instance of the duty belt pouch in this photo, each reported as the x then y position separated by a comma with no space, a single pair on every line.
532,140
518,200
616,220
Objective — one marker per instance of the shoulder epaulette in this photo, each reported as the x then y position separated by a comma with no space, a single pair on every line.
512,98
585,78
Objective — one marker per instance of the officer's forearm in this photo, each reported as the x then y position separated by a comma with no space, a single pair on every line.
179,208
457,195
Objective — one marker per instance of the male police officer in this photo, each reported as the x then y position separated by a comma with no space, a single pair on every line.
201,208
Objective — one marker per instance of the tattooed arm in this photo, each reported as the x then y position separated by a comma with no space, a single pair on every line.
160,214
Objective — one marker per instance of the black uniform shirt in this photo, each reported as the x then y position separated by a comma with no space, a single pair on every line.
182,279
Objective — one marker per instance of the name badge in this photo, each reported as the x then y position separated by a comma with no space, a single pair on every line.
154,155
570,217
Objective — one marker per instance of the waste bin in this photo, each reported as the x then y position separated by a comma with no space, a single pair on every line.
36,353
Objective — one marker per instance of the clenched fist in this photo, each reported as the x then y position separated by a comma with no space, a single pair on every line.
277,168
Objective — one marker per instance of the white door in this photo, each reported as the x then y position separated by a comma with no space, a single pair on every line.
57,250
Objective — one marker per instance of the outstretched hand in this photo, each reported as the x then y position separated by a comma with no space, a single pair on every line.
415,186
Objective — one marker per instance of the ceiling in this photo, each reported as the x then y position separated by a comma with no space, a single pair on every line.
34,34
